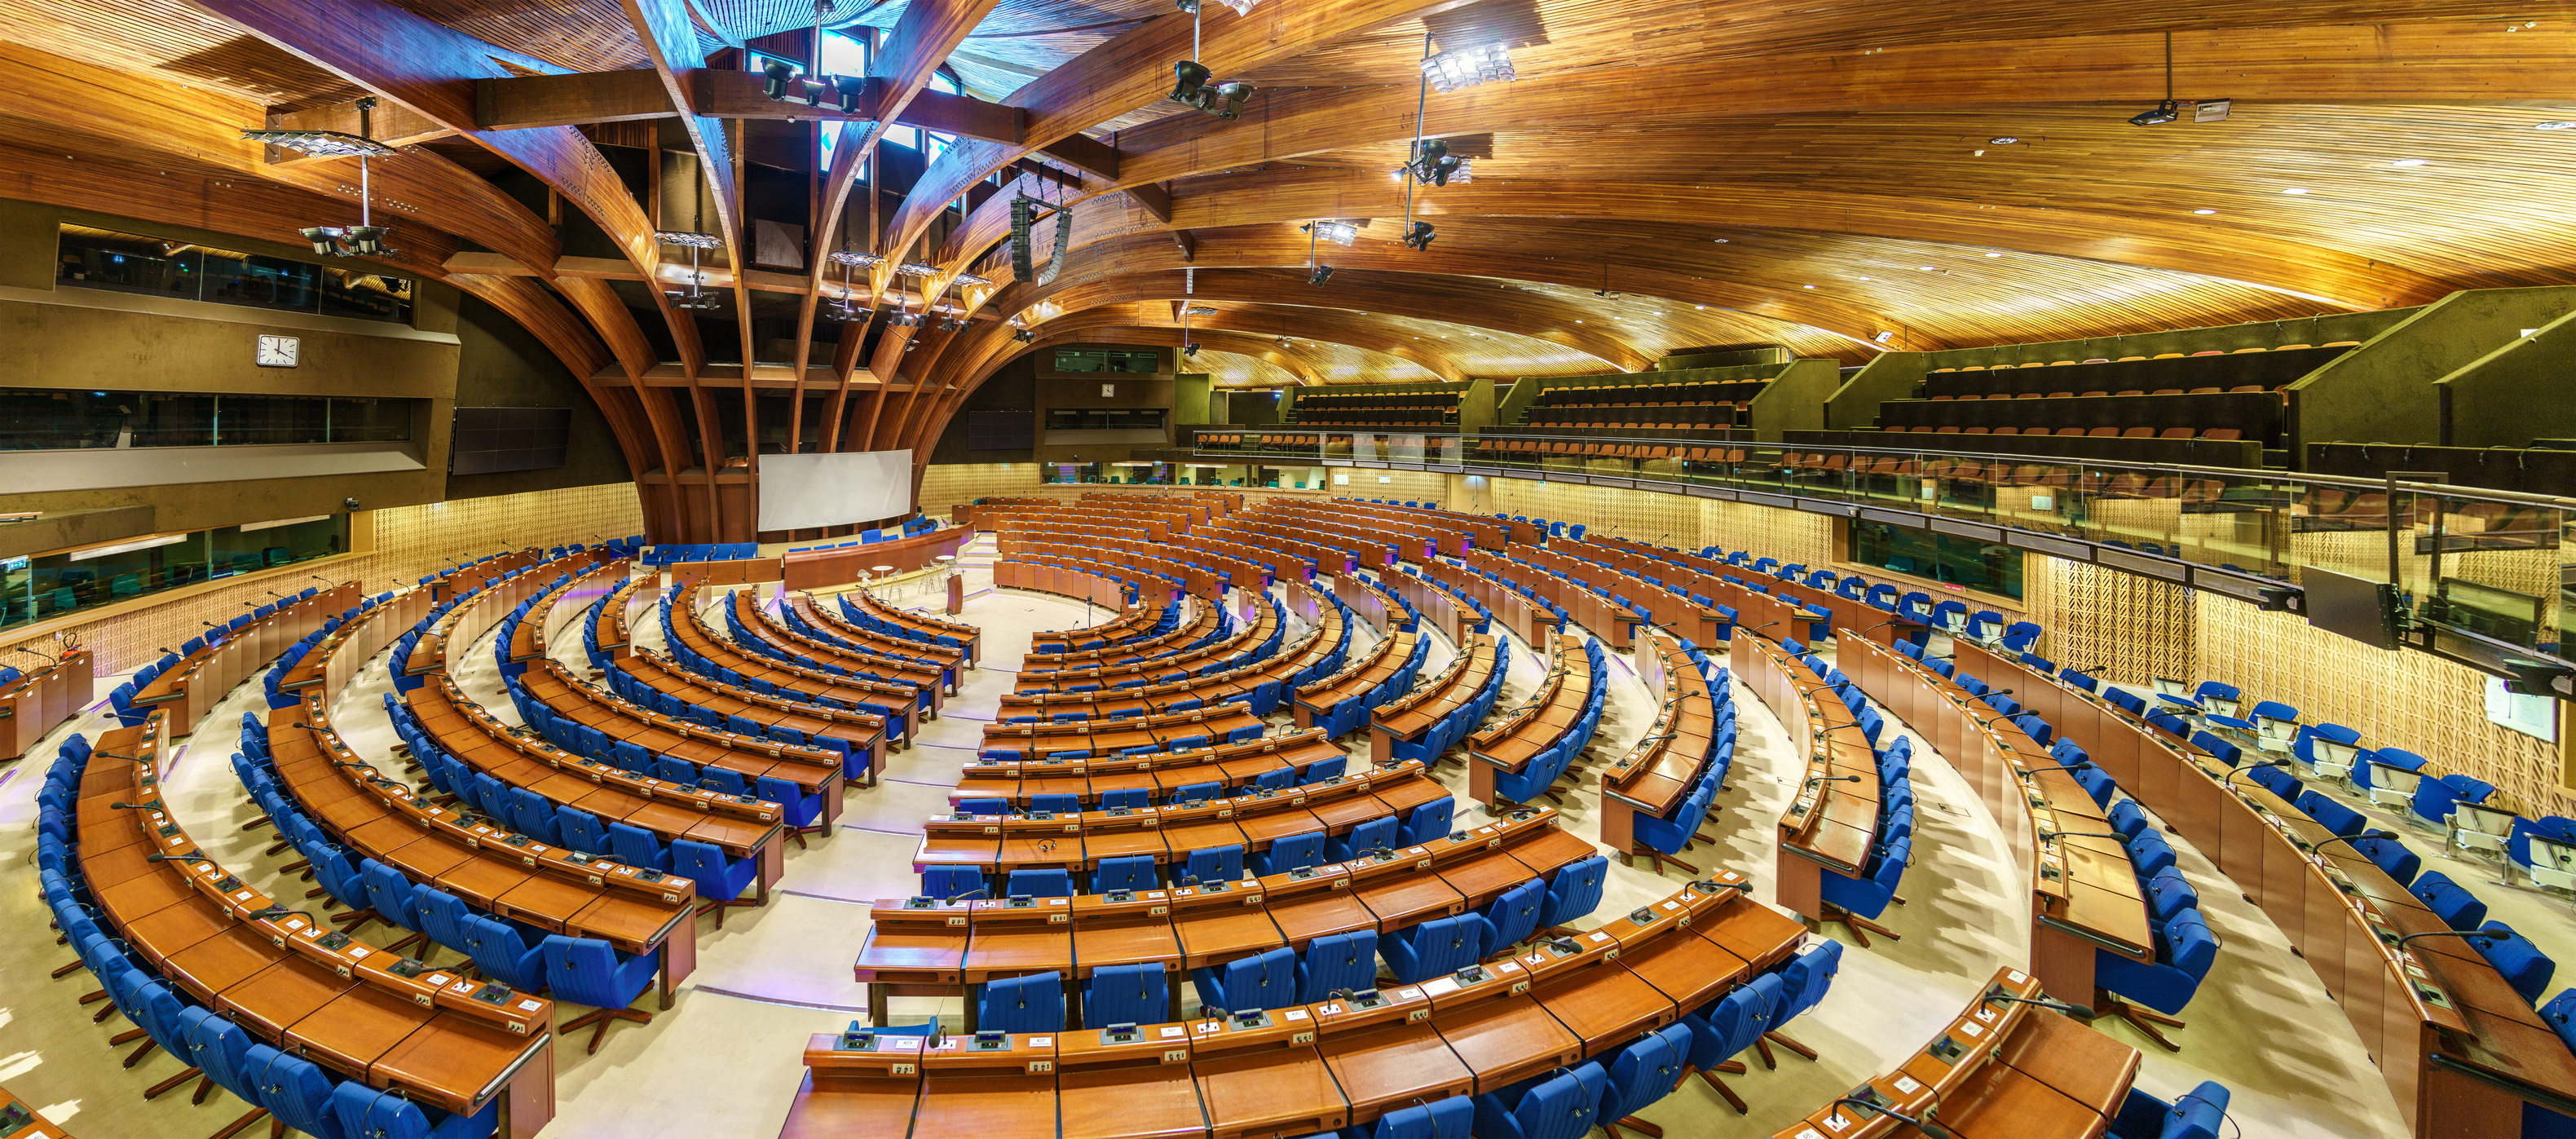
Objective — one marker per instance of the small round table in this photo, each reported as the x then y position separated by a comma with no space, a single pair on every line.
878,573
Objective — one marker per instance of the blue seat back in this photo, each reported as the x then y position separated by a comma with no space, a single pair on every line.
1053,882
1127,994
1134,872
1034,1003
1575,891
1344,961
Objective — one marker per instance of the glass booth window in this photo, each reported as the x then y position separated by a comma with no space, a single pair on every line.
38,419
51,585
132,263
1988,567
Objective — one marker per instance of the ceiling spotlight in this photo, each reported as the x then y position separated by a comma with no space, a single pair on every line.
904,319
2002,140
694,299
1190,349
2408,162
333,241
1419,237
2294,191
1286,342
969,279
1188,76
1467,67
2204,210
1991,253
325,239
1198,310
950,324
2163,113
369,240
1434,164
2555,125
1026,336
917,269
1319,274
853,257
1337,232
775,76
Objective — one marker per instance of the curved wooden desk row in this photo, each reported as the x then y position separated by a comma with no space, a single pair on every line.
1169,832
1436,605
1201,625
1104,739
296,983
1487,530
2001,1068
929,683
1088,557
1672,609
190,689
1415,536
859,604
1707,577
1584,604
1239,683
551,615
1270,563
1158,774
898,705
925,947
1139,522
1477,666
863,732
821,618
1833,821
451,584
2460,1050
2084,892
1371,545
1180,665
1526,618
513,876
338,658
1357,678
743,826
1657,772
1292,541
1307,1068
1508,744
499,596
824,569
41,700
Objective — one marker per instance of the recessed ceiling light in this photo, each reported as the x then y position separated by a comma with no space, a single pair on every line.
2408,162
1659,312
1806,286
1812,286
1720,240
1699,306
1992,254
2002,140
1925,268
2294,190
1578,322
2204,211
2552,125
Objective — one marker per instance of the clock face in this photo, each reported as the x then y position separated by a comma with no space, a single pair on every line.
278,351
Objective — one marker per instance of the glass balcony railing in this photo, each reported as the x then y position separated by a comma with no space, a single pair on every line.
2481,574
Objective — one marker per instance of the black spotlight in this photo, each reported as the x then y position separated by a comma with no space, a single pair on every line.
1435,164
1190,349
1188,76
2165,112
1229,100
1026,336
326,240
370,239
1319,274
1419,237
775,76
847,89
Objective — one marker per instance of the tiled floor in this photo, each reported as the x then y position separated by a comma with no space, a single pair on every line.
725,1059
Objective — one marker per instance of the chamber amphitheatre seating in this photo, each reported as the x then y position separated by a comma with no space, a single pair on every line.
699,650
1399,408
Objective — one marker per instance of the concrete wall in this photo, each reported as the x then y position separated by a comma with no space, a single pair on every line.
2514,394
2383,391
1795,401
501,365
1894,375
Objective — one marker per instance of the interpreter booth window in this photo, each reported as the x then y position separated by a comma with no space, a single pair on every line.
47,586
1987,567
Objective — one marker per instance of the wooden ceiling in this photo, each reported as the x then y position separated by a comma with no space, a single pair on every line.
1839,179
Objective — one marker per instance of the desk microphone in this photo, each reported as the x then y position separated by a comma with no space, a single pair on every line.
2352,838
276,594
1760,627
1929,1128
2084,671
250,604
1877,627
2053,836
146,805
183,858
34,653
2079,1012
2490,935
1998,719
1832,779
2078,765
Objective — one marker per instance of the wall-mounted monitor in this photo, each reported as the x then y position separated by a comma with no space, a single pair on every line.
2358,608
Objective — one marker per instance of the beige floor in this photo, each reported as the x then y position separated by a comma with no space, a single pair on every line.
724,1061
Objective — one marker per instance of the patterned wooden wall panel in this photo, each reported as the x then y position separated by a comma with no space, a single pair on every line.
1793,536
944,485
2407,699
409,540
1641,515
2139,627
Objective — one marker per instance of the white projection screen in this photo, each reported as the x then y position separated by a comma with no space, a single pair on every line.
801,492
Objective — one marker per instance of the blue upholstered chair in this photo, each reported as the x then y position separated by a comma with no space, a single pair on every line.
1727,1026
1574,892
1435,947
2197,1114
1367,836
1217,863
2457,907
1344,961
2521,963
2185,949
1512,917
296,1091
1559,1105
1053,882
1265,981
589,971
1451,1118
721,880
366,1113
389,894
1126,994
498,949
1135,872
1033,1003
1293,852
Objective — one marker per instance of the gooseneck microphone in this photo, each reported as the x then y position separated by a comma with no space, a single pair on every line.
1813,780
2053,836
2079,1012
1929,1128
2352,838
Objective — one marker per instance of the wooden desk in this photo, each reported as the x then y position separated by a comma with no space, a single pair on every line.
1410,716
1510,743
923,628
191,688
41,700
899,705
19,1120
1657,772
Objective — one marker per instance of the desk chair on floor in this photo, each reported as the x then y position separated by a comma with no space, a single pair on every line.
720,879
1727,1026
1574,893
1644,1072
1344,962
2197,1114
1803,984
1559,1105
366,1113
1264,981
589,971
1451,1118
1127,994
2149,994
1034,1003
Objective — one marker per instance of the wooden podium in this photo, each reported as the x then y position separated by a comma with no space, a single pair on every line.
37,702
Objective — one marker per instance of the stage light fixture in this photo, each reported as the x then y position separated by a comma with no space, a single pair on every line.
1419,237
970,279
846,90
1026,336
775,76
1468,67
695,299
950,324
1319,274
1189,76
1337,232
369,240
2163,113
917,269
336,241
1190,349
848,257
1229,99
325,239
1435,165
